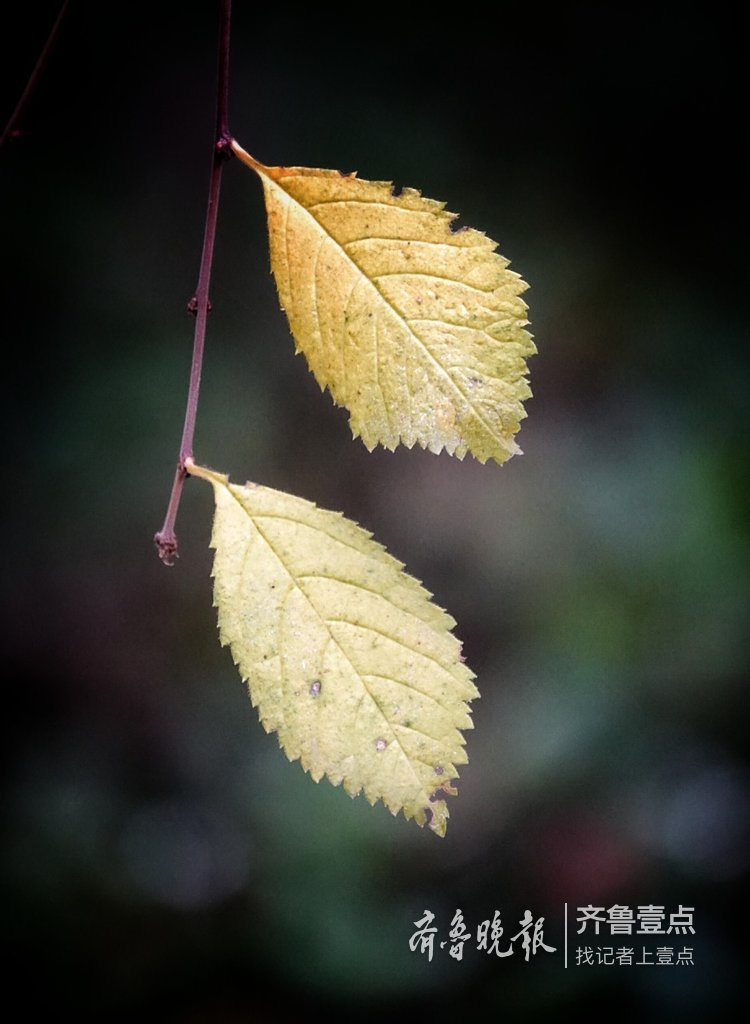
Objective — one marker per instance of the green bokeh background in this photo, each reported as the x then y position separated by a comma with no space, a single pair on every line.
161,854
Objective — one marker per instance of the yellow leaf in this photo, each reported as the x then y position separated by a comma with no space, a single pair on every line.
416,329
345,656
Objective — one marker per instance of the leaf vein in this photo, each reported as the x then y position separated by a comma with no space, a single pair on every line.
316,308
343,333
343,583
376,353
389,636
368,590
367,202
412,728
288,263
435,277
453,246
300,522
410,686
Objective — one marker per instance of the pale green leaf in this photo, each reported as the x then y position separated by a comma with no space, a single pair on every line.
345,656
418,330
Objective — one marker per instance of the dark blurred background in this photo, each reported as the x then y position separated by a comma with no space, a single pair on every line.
160,852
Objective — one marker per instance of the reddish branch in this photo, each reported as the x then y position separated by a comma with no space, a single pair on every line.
165,539
10,131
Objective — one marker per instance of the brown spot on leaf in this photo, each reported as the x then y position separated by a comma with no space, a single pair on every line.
447,789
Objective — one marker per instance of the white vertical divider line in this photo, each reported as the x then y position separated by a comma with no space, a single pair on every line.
566,935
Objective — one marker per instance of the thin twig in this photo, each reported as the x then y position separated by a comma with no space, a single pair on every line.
10,131
165,539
